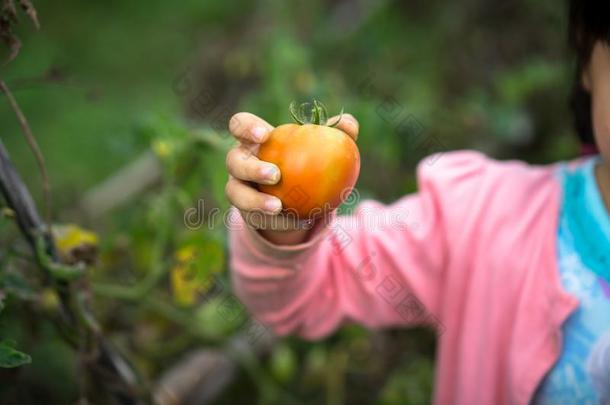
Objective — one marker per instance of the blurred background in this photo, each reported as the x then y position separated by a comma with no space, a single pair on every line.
129,101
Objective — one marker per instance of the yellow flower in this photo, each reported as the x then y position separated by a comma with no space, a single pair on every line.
193,273
186,253
75,243
185,285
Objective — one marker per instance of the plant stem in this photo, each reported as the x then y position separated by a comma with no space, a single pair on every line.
31,140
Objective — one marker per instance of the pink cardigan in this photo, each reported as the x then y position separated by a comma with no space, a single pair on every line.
472,253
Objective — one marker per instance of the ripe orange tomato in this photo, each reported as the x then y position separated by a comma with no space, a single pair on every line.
319,166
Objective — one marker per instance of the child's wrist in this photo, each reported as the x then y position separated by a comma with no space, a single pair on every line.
289,237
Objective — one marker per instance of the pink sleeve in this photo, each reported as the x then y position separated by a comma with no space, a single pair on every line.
381,266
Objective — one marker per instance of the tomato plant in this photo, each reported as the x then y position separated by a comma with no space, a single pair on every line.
319,164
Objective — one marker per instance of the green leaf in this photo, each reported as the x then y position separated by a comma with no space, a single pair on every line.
283,363
10,357
16,284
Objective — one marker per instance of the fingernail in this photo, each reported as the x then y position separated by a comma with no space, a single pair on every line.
271,173
258,133
350,118
273,205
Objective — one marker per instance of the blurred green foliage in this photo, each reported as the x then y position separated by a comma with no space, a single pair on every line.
104,82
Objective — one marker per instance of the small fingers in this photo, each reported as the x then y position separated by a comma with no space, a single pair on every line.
246,198
242,164
247,127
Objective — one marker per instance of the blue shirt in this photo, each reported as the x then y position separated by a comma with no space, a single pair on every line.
582,373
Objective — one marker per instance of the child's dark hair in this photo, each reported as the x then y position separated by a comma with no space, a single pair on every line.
589,22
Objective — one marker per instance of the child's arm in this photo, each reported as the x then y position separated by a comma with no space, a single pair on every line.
381,266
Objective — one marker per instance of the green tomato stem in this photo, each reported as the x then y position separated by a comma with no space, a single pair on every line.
318,114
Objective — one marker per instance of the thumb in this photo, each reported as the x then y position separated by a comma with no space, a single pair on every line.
348,124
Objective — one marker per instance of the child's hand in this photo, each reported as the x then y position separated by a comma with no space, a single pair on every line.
259,210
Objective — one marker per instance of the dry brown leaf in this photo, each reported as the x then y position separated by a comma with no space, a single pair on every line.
8,19
30,11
